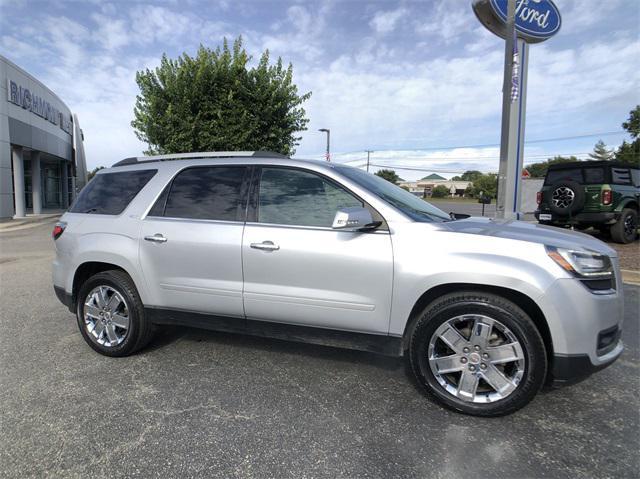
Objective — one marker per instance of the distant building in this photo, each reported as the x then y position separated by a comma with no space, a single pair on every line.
425,186
42,161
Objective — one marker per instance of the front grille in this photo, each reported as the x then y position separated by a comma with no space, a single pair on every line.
607,340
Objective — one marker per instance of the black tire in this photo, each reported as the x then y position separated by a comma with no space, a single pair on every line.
574,206
625,230
139,332
500,309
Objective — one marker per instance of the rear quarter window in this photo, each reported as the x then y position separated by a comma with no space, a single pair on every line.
620,176
111,193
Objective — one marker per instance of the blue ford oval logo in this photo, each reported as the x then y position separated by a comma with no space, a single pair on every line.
539,19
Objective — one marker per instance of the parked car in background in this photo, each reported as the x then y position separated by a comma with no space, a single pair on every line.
487,311
600,194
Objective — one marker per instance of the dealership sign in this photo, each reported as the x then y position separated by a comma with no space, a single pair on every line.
23,97
535,20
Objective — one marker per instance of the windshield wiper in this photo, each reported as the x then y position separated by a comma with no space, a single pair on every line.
90,210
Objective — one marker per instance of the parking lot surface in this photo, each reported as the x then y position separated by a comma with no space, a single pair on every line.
197,404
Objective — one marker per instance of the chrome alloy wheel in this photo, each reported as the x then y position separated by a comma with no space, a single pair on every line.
476,358
106,316
563,196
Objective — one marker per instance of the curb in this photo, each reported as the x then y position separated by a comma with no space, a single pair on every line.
630,277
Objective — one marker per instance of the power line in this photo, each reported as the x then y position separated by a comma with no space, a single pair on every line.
487,145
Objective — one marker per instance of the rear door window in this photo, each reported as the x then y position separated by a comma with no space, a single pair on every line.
111,193
205,193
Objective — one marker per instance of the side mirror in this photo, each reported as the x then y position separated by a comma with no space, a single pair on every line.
353,219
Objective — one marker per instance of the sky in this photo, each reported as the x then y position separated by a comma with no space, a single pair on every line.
417,82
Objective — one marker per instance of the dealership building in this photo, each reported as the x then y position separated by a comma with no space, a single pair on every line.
42,161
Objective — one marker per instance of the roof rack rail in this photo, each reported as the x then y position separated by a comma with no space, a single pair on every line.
134,160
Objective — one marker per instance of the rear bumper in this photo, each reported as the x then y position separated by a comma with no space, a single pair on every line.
64,297
600,217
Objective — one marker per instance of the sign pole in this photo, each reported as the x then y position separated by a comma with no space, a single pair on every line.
508,140
534,21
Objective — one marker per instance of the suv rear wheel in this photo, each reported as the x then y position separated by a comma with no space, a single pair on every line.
478,353
110,314
626,228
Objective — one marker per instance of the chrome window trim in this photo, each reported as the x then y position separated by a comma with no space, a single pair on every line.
314,228
192,220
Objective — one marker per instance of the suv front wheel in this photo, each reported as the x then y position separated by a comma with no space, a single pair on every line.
110,314
478,353
625,229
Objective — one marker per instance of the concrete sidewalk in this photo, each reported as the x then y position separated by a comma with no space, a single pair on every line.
30,221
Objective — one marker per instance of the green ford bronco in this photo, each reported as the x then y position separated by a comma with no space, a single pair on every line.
602,194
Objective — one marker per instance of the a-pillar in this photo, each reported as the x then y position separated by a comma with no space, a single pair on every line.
36,184
18,182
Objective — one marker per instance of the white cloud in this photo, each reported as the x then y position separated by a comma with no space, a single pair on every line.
386,21
448,21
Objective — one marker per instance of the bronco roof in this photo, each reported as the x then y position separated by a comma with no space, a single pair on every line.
589,164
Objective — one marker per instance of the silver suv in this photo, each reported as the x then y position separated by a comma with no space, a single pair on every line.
486,311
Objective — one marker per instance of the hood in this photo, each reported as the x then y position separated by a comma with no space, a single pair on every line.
531,232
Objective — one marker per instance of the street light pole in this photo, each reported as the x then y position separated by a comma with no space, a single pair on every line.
368,153
328,132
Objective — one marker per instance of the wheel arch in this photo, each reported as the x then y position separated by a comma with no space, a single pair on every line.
630,203
87,269
527,304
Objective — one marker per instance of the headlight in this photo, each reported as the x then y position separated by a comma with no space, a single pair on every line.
581,263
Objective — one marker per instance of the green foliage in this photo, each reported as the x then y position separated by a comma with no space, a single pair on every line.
389,175
539,170
440,191
469,175
601,152
93,172
215,102
629,153
485,184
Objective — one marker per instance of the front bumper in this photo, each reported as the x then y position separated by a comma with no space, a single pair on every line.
585,328
570,369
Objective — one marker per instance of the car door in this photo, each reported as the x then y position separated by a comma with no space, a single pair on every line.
299,270
190,247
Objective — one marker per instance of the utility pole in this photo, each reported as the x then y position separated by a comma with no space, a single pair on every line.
368,153
328,132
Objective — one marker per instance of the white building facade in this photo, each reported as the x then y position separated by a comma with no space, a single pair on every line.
42,160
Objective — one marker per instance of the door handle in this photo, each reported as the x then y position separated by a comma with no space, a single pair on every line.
266,246
156,238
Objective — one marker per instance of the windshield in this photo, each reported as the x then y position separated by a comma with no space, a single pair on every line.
414,207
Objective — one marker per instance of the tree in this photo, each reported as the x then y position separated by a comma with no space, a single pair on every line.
440,191
389,175
485,184
601,152
469,175
215,102
629,153
93,172
539,170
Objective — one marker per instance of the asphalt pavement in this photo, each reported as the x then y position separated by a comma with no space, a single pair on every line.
201,404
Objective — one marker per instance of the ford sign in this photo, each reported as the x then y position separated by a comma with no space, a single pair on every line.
536,20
